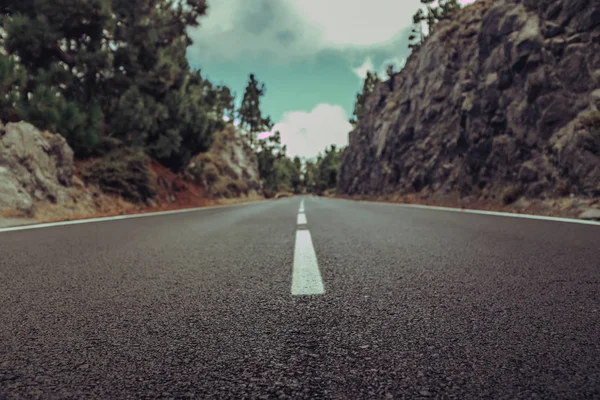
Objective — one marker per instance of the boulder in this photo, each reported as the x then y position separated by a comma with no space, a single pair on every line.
35,166
591,214
228,169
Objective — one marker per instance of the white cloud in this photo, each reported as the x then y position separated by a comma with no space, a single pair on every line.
361,71
344,23
292,29
308,133
288,29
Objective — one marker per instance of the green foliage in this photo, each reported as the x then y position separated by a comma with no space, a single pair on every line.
369,85
127,57
323,174
47,109
277,171
250,114
12,79
123,172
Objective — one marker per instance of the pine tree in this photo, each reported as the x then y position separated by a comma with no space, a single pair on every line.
250,114
443,10
111,67
12,80
369,84
62,50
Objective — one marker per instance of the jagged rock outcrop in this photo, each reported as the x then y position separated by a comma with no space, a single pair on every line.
502,101
229,168
35,166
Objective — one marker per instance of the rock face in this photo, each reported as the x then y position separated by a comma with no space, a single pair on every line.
503,98
35,167
228,169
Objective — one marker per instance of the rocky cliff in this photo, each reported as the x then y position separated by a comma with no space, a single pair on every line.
229,169
501,102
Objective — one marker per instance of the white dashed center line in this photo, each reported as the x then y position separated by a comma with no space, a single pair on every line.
302,219
306,278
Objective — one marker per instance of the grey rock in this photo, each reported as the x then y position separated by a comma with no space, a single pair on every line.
553,29
595,100
34,166
528,172
12,194
591,214
229,159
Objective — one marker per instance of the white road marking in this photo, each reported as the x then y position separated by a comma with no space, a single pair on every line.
483,212
114,218
302,219
301,206
306,279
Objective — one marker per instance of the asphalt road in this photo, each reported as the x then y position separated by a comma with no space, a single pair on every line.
416,304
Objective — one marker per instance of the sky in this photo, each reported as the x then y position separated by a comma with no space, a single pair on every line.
312,56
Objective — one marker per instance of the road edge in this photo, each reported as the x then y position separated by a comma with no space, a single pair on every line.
120,217
480,212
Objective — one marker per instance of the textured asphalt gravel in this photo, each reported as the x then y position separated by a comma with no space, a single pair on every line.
418,304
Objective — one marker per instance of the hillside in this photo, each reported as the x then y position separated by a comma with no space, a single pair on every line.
41,180
501,102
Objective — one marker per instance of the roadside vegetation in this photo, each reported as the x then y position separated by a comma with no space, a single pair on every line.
111,76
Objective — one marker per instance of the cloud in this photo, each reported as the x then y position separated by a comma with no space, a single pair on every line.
236,29
352,23
308,133
285,30
361,71
292,29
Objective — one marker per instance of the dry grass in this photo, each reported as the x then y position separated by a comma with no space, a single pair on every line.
10,213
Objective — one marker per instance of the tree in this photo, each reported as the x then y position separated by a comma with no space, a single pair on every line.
12,80
416,36
62,53
278,171
250,114
296,179
322,174
443,10
94,68
369,84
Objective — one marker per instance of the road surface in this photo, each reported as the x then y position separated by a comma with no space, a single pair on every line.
351,301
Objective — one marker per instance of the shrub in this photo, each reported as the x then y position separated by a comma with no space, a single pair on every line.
123,172
229,188
268,193
511,194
